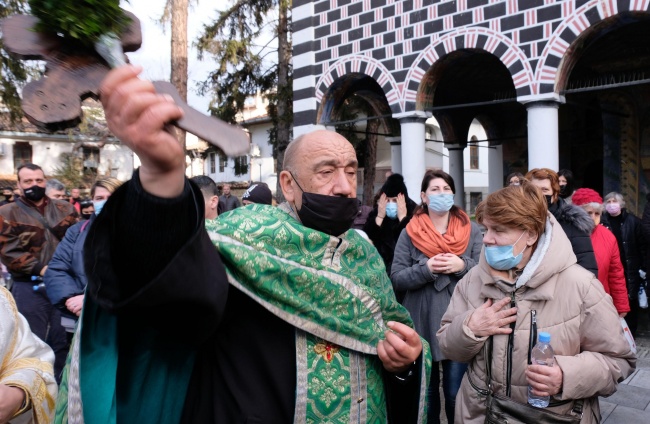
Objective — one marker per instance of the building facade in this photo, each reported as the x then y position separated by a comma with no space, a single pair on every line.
109,157
90,146
556,84
258,164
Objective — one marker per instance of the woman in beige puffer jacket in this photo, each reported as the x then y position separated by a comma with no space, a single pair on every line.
539,274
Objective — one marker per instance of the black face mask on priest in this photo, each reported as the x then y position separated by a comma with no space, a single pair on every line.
333,215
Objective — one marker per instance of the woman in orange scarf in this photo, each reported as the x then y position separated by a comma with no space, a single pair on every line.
436,249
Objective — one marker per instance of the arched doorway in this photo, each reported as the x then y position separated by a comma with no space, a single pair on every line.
467,84
604,124
356,106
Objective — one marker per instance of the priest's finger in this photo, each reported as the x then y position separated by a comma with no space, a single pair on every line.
116,77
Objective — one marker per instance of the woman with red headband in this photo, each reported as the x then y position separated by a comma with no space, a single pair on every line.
608,257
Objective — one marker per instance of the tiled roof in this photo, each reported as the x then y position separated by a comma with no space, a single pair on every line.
7,181
93,124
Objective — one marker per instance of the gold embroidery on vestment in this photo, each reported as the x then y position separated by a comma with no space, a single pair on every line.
327,350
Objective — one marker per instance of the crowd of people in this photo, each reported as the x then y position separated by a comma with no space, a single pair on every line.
168,303
44,229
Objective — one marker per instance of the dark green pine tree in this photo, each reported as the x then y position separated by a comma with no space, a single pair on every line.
251,44
81,20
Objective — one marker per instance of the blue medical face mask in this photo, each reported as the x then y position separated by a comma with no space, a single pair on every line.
99,205
503,257
441,202
391,210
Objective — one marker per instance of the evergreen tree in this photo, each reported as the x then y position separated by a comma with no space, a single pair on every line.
242,41
70,170
14,73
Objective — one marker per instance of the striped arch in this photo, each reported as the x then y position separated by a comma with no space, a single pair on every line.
556,61
362,65
467,38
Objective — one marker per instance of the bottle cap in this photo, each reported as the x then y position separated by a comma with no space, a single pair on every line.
544,337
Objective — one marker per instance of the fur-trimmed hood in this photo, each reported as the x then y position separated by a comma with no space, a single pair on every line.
572,214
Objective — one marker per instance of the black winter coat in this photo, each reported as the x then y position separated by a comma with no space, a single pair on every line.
385,237
645,225
635,248
577,225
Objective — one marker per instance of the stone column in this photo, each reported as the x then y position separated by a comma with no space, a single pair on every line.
457,172
413,150
495,168
543,137
395,154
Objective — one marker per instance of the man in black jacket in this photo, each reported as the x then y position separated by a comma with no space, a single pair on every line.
229,200
222,354
574,220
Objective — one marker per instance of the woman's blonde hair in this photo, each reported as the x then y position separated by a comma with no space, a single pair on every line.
109,183
521,206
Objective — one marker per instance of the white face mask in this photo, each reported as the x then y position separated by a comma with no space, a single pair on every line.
441,202
503,258
391,210
98,206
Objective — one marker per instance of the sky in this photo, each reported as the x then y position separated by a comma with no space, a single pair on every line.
154,55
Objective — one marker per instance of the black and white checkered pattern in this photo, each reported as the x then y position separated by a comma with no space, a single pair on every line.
396,42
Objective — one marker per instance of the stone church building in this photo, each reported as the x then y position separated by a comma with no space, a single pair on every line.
554,83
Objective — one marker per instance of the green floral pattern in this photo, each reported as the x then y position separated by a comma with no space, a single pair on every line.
285,267
332,289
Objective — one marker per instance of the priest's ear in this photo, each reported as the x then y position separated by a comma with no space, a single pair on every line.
214,202
289,187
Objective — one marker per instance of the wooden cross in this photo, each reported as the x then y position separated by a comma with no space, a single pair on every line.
74,73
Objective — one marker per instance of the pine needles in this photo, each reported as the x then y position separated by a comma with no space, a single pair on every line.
81,20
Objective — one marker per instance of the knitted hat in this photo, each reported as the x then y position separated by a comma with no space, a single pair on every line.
258,193
582,196
394,185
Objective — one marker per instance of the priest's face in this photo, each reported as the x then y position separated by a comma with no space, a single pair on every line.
326,164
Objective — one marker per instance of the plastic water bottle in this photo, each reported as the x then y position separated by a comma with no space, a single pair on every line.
643,297
542,354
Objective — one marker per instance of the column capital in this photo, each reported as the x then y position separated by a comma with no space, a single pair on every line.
452,147
542,103
394,141
413,116
547,97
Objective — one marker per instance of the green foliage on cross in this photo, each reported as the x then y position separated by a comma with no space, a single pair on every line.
82,20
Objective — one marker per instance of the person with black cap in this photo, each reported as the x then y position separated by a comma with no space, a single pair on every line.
389,217
257,193
8,194
566,184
